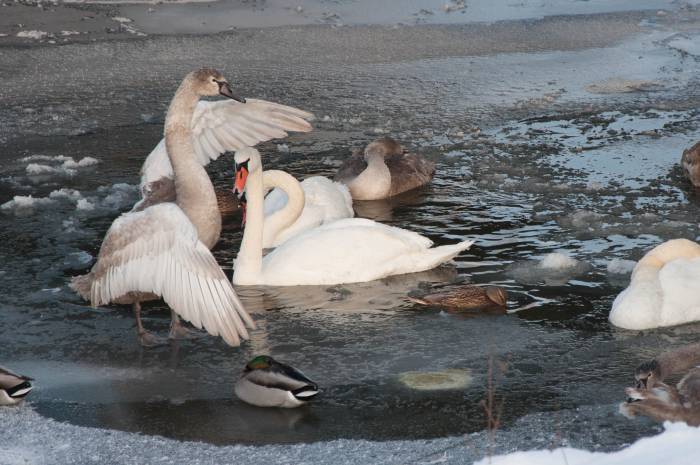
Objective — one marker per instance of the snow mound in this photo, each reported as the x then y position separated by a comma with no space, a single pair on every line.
554,269
36,169
679,444
32,34
24,204
620,266
557,261
68,165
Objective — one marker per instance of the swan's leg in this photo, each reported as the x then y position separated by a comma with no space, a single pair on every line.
180,331
146,339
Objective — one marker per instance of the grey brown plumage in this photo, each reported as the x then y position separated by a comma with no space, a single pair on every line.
653,398
408,171
691,164
227,202
466,298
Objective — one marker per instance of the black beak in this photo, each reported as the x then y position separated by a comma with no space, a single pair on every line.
225,90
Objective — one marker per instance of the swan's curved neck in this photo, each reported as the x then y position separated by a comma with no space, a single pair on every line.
194,191
283,218
374,182
248,265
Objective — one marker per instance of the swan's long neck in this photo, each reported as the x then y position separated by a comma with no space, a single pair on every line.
374,182
194,190
287,215
248,265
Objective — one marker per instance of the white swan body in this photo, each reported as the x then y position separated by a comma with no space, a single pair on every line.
324,201
218,127
344,251
664,289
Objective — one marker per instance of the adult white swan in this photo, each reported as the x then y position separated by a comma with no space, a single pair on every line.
293,207
344,251
163,250
218,127
664,289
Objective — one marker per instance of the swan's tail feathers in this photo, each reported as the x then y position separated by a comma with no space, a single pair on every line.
82,285
439,255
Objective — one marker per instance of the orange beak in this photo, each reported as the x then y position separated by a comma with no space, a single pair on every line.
239,182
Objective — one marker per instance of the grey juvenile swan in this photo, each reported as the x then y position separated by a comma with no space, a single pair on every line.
384,169
163,249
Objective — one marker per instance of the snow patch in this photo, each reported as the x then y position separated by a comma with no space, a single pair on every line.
679,444
64,193
32,34
83,162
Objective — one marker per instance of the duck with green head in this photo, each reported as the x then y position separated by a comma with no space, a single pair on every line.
265,382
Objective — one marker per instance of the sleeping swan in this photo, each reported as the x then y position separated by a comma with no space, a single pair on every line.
664,289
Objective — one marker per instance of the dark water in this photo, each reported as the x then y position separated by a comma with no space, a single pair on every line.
529,163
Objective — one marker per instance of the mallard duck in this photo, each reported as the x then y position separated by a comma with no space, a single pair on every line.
384,169
691,164
13,387
265,382
466,297
653,398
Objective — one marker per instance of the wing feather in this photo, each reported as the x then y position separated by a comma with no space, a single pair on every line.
157,251
227,125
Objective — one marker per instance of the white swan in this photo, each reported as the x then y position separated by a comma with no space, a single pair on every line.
218,127
163,250
293,207
664,289
344,251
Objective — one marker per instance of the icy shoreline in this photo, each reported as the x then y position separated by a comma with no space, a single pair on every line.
30,438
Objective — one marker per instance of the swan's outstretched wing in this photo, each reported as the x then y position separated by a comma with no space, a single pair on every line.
226,126
157,251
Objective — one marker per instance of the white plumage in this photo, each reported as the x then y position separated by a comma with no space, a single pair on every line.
664,289
226,126
324,201
157,251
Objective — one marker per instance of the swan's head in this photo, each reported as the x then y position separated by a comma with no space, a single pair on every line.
208,82
384,147
246,160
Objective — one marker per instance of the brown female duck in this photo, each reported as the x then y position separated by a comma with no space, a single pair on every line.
466,297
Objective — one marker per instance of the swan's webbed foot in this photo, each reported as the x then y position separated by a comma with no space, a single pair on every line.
149,340
180,331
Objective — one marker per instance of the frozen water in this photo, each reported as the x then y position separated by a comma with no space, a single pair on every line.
529,163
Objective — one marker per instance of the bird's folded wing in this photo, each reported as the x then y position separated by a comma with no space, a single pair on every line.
157,251
226,126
